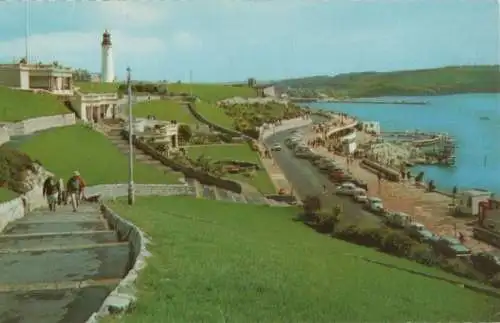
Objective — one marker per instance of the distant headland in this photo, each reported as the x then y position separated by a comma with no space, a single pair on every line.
423,82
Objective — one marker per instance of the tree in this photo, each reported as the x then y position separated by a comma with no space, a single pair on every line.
185,132
82,75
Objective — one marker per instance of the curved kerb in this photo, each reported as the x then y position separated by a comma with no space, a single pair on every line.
122,298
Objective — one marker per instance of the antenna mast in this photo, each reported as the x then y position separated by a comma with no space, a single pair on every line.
27,22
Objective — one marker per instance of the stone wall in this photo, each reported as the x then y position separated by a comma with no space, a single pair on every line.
30,126
18,207
4,135
118,190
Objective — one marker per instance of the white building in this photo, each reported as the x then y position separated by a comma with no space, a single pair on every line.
93,107
349,144
49,77
107,65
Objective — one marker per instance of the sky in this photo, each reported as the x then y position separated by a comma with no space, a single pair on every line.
232,40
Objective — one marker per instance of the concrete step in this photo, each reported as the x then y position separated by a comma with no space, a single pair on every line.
51,240
54,306
68,216
42,227
238,198
96,263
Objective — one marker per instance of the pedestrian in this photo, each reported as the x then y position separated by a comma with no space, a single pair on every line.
51,192
62,192
74,189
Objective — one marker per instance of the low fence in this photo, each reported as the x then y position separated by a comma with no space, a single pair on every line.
30,126
187,171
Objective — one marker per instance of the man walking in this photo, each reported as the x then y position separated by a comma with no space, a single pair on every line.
51,192
74,189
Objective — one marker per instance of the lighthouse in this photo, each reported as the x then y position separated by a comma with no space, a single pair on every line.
107,68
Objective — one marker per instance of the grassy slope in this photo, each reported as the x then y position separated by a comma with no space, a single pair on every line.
242,152
414,82
164,110
212,92
214,114
66,149
223,262
18,105
7,195
91,87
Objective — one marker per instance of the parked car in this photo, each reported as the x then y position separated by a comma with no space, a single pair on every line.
419,232
360,196
451,247
487,262
345,188
276,147
374,204
302,152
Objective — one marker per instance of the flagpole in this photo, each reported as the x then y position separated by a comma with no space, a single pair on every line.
27,31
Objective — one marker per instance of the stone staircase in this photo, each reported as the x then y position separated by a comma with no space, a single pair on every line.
59,267
114,135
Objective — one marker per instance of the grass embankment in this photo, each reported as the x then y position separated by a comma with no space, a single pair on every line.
7,195
16,105
214,114
63,150
237,152
97,87
223,262
436,81
167,110
212,93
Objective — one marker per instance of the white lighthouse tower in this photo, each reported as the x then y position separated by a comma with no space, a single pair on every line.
107,68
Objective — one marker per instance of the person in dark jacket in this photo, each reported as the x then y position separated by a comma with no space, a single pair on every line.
51,192
74,189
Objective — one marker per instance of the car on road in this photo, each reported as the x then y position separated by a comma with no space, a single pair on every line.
360,196
302,152
374,204
419,232
345,188
398,219
451,247
276,147
486,262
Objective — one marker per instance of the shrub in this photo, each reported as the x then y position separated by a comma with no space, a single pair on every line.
311,205
185,132
14,166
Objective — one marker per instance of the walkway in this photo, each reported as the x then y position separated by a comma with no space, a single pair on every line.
58,267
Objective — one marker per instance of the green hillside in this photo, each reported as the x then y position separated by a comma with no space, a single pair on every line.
446,80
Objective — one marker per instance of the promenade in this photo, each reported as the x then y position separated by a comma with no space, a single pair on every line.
429,208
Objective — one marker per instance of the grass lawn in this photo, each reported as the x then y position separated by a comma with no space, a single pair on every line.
240,152
214,114
7,195
212,92
16,105
63,150
225,262
97,87
164,110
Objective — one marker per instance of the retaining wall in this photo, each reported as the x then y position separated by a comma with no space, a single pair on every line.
20,206
30,126
118,190
4,135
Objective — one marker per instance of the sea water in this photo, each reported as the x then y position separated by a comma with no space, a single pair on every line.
472,120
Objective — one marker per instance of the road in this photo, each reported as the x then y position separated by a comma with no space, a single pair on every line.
307,180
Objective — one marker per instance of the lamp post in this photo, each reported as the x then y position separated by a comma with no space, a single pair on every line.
130,143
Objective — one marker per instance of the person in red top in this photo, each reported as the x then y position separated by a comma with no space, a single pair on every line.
75,188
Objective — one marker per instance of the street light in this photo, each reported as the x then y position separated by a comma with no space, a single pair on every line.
130,142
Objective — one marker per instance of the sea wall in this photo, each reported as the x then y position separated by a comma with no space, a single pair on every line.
30,126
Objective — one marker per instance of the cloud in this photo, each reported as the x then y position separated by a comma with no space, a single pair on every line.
115,14
75,48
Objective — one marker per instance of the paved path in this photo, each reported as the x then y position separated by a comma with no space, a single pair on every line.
307,180
58,267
